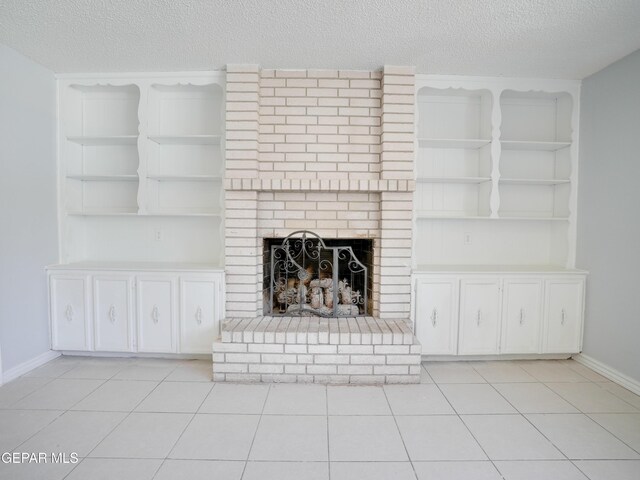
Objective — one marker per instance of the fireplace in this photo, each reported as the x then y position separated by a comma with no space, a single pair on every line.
306,275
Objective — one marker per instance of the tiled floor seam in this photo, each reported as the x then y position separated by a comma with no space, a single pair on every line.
529,421
465,426
184,430
57,417
612,433
588,415
128,414
404,445
255,433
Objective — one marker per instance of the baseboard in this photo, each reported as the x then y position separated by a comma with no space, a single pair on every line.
29,365
608,372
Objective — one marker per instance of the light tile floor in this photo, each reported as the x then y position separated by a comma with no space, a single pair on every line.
159,419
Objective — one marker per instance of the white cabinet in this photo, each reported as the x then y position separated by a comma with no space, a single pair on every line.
156,310
113,313
70,328
437,315
521,316
563,315
479,316
499,312
156,316
199,319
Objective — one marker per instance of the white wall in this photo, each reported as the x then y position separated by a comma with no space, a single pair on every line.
28,238
609,214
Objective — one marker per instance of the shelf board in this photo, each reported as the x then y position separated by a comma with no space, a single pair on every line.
178,214
529,269
535,219
92,213
453,179
435,216
97,213
104,139
430,216
534,181
186,139
185,178
465,143
530,145
104,178
136,266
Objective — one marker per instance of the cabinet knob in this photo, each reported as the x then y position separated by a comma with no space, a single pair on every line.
478,317
434,317
112,314
199,316
521,316
155,314
563,316
68,313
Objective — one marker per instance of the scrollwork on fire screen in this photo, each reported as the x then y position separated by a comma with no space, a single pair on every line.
309,278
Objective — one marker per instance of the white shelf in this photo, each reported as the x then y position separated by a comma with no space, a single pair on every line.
96,140
186,139
435,216
185,178
430,216
535,219
453,179
92,213
98,213
136,266
530,145
464,143
185,214
104,178
528,269
534,181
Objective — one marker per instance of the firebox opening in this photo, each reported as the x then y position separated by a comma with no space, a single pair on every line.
305,275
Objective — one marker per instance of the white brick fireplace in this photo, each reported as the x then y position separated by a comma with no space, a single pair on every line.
330,152
321,150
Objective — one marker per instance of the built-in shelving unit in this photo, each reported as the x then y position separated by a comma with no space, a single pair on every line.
454,156
495,172
535,138
141,164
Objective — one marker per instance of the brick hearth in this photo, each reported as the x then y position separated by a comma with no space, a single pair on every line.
357,350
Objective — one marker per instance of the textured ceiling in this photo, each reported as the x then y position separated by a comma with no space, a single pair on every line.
536,38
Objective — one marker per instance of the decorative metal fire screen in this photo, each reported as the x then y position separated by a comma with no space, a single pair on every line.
309,277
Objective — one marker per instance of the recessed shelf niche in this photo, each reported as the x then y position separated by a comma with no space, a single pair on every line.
493,175
454,156
141,169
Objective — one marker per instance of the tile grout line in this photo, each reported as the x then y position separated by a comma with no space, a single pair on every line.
467,427
183,430
116,426
326,406
255,433
536,428
395,421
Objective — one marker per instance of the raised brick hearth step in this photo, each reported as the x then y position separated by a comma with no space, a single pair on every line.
362,350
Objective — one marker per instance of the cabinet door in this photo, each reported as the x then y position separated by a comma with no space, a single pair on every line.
70,328
113,313
156,317
199,319
521,316
437,315
563,315
479,316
